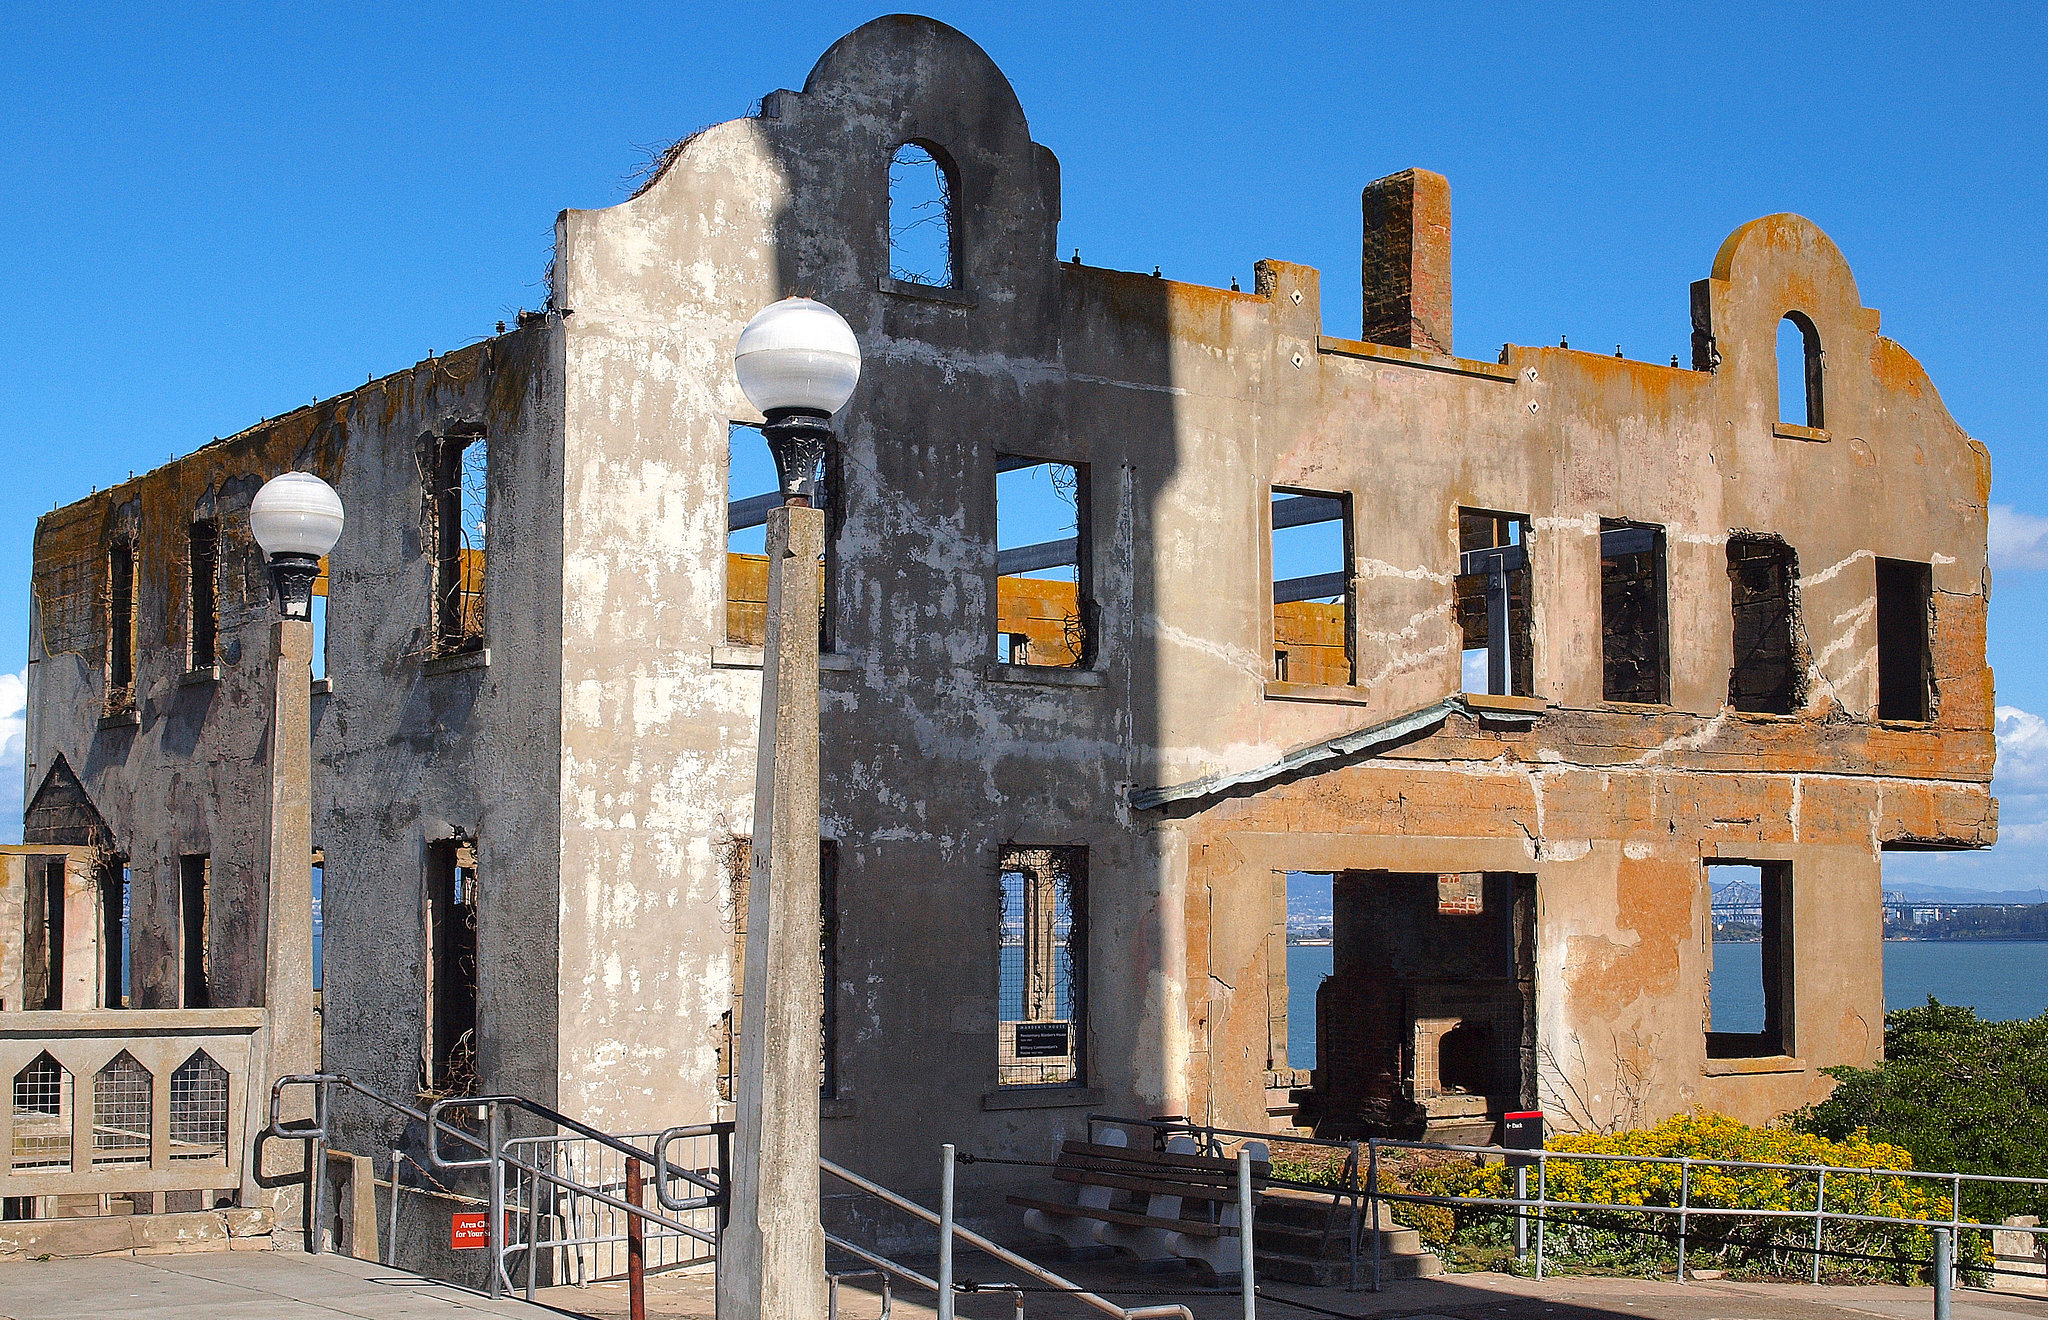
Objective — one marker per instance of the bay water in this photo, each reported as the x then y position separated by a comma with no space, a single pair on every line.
2001,979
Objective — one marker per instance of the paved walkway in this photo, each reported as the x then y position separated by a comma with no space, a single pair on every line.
236,1285
1453,1297
289,1286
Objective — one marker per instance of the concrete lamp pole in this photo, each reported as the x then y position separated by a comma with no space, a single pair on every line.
798,362
296,519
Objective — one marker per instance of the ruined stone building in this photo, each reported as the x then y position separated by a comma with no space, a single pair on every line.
1068,759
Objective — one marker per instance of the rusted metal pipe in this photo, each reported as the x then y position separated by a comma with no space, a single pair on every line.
636,1248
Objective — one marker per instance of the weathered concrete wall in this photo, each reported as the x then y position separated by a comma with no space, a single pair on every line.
612,734
401,754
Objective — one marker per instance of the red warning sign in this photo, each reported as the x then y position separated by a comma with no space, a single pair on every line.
469,1230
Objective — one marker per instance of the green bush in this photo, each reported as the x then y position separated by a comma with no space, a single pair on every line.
1962,1094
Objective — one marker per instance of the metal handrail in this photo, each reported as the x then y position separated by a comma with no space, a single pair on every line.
495,1159
1686,1209
1003,1254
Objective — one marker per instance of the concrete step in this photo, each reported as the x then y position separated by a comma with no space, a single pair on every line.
1322,1273
1307,1210
1313,1242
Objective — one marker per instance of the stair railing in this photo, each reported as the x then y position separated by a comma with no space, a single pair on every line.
494,1158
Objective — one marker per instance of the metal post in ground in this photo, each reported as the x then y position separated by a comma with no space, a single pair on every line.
1372,1209
316,1188
1542,1199
1521,1212
1351,1179
946,1232
391,1234
1684,1204
1244,1232
636,1247
532,1203
1820,1218
1943,1268
494,1231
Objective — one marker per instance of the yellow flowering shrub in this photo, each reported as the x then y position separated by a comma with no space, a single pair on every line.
1751,1245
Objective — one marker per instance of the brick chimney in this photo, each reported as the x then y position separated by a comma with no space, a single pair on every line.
1407,261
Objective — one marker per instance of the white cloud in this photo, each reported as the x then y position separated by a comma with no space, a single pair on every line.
13,732
2017,540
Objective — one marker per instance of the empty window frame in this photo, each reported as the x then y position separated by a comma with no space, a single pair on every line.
1492,595
319,915
121,625
1311,573
460,495
1750,959
199,1110
121,1094
1763,586
319,603
922,230
448,1058
751,490
739,866
195,927
1799,371
1044,612
42,951
115,891
1635,661
1042,978
42,1115
1905,662
202,595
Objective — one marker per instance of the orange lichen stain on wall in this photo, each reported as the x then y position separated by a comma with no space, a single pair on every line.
1309,642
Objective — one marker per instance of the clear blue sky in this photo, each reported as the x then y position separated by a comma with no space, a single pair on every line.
215,214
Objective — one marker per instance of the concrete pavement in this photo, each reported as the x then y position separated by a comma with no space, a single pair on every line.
221,1285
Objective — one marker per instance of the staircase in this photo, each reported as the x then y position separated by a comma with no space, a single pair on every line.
1298,1241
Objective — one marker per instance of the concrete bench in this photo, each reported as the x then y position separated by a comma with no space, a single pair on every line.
1160,1189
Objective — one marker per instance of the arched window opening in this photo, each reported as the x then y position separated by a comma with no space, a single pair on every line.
1799,371
199,1109
121,1095
920,218
42,1115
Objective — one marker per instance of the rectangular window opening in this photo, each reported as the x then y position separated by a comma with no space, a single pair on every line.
121,626
1492,600
1749,989
449,1061
195,927
1905,662
320,586
1311,587
1041,986
1044,607
1635,662
1303,963
203,595
739,863
42,951
461,497
115,925
1763,577
319,916
751,490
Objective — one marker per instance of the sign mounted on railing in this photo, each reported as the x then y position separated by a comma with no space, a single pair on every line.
1522,1131
470,1230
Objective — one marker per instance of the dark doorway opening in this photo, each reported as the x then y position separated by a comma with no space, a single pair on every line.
1426,1025
450,1056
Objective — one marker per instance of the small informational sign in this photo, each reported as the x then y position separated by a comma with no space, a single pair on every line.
1522,1131
1042,1040
469,1230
